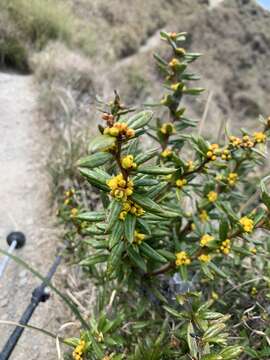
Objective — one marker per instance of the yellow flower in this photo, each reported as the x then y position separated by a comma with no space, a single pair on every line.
225,246
173,62
120,188
235,141
167,129
79,350
204,258
67,201
212,196
214,295
203,216
190,165
232,178
247,224
166,153
226,154
253,250
119,129
74,212
181,183
254,291
205,239
182,258
138,237
128,162
122,215
259,137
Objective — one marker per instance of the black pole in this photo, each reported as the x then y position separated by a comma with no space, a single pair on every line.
39,295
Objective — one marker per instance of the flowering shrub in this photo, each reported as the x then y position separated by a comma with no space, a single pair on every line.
178,238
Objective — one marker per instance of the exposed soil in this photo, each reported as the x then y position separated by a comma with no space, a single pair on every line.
24,193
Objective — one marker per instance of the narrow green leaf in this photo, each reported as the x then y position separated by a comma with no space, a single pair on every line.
116,255
129,226
116,234
151,253
136,258
140,120
95,160
101,142
96,178
115,209
155,170
94,259
91,216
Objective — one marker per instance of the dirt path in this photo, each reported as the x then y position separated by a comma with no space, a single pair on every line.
24,193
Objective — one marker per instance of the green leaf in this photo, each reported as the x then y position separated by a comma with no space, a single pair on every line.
95,160
223,229
207,271
265,196
155,170
136,258
116,234
96,178
192,344
141,158
152,207
151,253
92,216
94,259
101,142
129,226
173,312
217,270
140,120
167,254
116,255
115,209
231,352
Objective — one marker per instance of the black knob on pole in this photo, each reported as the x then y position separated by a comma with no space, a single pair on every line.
17,236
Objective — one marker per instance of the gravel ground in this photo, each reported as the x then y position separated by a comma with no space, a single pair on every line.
24,193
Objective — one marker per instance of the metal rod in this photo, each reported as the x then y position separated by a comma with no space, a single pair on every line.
39,295
6,258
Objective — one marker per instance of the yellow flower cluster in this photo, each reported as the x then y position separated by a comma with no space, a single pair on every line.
180,183
68,195
167,129
190,165
204,258
226,155
130,207
79,350
213,151
259,137
127,162
138,237
232,178
203,216
247,224
182,258
226,246
166,153
254,291
119,129
212,196
174,62
205,239
120,188
235,141
74,212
